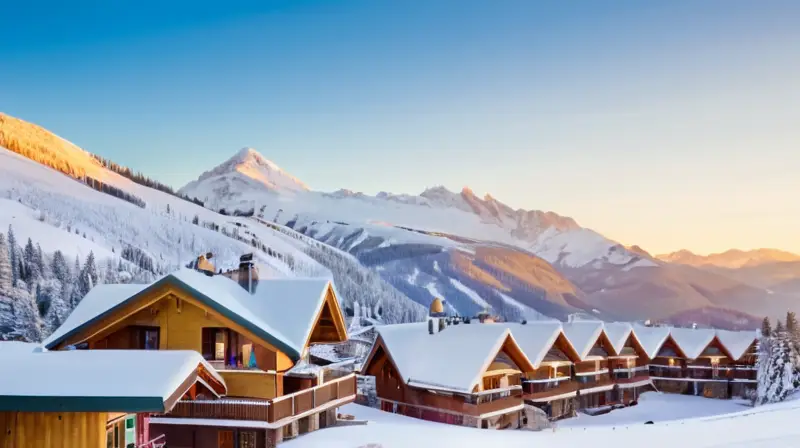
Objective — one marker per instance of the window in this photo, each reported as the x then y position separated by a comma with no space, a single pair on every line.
227,347
247,439
145,338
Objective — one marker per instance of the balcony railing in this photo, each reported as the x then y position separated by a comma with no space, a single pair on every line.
305,400
271,411
561,388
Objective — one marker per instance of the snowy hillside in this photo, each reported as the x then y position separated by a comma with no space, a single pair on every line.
64,200
470,276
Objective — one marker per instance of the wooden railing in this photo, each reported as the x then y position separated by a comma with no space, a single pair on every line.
268,410
591,366
563,387
308,399
546,373
226,408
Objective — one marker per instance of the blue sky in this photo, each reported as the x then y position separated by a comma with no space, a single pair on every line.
665,124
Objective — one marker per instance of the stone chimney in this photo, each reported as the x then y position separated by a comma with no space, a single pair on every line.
248,273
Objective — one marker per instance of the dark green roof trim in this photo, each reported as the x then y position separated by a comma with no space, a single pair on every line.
214,305
80,404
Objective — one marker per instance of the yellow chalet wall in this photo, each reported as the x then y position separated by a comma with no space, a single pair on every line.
181,322
53,429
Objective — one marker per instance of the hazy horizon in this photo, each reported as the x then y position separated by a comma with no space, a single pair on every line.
669,126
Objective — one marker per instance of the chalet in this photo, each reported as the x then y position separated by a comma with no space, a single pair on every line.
741,347
630,366
94,398
596,389
550,386
255,334
461,373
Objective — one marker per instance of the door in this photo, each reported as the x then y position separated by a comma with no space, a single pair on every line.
225,439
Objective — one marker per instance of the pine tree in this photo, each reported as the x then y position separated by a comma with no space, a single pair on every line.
782,370
75,295
32,273
89,276
59,267
778,328
40,261
5,268
59,309
27,321
763,365
766,328
12,253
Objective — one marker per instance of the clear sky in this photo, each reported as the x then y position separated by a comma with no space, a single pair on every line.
668,124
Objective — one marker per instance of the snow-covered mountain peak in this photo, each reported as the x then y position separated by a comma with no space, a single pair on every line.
245,167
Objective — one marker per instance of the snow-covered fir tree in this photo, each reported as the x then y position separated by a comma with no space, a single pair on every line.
12,252
5,268
27,321
776,372
58,308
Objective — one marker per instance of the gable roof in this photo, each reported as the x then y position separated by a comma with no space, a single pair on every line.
583,335
618,333
737,342
280,311
692,341
535,338
421,358
36,380
651,338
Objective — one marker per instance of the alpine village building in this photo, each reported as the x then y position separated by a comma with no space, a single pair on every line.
488,374
199,359
194,359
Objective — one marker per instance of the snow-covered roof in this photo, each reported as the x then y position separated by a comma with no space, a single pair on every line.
737,342
99,300
94,380
281,311
535,338
453,359
618,333
692,341
583,335
651,338
16,348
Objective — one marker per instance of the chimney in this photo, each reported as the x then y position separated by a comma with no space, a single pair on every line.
248,273
204,265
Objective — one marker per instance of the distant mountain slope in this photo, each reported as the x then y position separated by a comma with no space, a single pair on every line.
605,277
731,259
469,275
69,213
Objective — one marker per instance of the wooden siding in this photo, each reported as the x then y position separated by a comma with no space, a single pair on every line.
180,318
250,383
51,429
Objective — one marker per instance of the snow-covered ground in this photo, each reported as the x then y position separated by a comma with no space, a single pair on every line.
658,407
730,425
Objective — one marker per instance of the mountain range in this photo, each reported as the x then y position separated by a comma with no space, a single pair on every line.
440,241
393,252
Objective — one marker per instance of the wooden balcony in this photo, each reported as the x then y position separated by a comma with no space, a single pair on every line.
589,367
560,388
305,400
272,411
666,371
600,381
